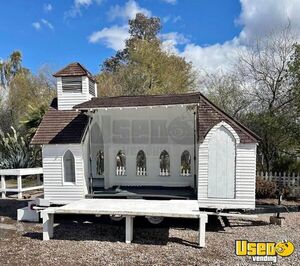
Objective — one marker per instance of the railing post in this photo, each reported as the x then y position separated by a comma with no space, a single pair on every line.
3,187
20,187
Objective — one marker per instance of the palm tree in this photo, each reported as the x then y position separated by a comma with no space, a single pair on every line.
15,62
9,68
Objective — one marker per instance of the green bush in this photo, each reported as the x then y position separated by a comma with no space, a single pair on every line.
16,151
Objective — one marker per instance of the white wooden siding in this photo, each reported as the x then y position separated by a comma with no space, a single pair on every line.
244,175
55,189
66,100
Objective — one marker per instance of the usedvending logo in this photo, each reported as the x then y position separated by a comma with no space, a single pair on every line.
264,251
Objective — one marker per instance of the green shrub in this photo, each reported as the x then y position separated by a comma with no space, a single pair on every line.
16,151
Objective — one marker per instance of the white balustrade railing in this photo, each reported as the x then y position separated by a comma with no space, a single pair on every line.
141,171
120,170
19,173
185,172
164,172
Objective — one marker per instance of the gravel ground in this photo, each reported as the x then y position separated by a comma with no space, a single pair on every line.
98,241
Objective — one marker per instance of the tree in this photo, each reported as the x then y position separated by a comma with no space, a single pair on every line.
294,70
8,69
265,70
29,90
143,67
140,28
33,118
227,92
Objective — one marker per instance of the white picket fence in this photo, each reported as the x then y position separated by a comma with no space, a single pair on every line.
290,180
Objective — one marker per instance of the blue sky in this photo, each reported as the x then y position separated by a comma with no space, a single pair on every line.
205,31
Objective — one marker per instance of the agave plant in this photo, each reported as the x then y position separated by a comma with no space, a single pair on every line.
16,152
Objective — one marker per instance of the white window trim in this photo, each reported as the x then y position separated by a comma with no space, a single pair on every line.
64,183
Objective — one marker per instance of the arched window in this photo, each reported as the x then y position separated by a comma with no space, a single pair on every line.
121,163
185,163
100,162
164,163
141,168
69,167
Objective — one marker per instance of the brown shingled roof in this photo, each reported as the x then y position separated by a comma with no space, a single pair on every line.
74,69
208,114
141,100
60,127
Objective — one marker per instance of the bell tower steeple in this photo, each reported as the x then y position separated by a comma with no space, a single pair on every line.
75,85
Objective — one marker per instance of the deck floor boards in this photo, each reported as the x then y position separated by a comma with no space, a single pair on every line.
144,192
134,207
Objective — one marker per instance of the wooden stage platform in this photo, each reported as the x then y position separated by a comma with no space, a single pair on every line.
149,192
129,208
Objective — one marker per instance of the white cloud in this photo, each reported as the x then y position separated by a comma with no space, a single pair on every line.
170,41
258,18
79,3
174,19
36,25
113,37
47,23
178,38
213,58
75,10
128,11
172,2
48,7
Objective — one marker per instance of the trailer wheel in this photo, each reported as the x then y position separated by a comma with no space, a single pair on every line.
116,218
154,219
